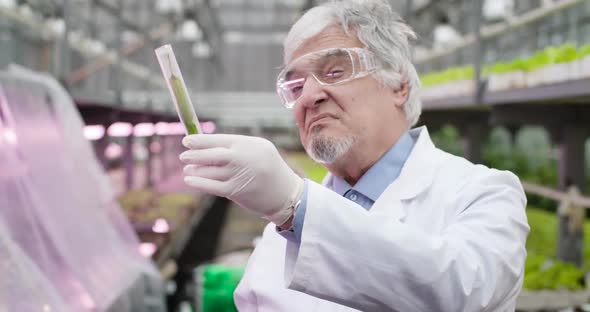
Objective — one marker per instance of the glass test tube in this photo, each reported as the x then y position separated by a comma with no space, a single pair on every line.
177,88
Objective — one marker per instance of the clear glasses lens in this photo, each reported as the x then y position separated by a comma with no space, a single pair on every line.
328,67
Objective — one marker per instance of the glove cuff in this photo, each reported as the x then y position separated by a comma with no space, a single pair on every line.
288,209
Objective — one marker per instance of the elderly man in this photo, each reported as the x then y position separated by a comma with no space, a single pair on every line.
398,225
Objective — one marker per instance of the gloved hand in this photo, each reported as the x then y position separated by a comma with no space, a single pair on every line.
247,170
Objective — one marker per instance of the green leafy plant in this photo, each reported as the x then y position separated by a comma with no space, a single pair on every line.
552,275
447,75
564,53
584,51
542,271
449,139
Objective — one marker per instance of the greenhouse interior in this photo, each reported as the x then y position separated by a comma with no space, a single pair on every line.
97,212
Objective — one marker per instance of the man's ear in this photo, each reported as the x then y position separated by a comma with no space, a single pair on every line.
401,94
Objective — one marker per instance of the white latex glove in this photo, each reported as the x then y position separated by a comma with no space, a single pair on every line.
247,170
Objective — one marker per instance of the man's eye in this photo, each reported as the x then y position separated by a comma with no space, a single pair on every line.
294,85
335,73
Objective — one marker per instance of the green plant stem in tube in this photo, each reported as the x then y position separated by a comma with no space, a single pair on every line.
184,106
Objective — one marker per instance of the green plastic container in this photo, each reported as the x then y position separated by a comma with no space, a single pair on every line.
217,284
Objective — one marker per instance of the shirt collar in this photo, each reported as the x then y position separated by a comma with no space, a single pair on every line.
382,173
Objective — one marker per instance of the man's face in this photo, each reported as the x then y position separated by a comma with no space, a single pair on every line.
332,120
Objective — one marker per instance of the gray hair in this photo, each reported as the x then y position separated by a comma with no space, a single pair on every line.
380,29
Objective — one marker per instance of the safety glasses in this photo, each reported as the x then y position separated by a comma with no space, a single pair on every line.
328,67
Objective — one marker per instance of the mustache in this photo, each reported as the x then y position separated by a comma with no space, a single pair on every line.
318,117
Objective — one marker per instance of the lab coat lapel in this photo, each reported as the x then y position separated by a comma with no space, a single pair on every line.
415,177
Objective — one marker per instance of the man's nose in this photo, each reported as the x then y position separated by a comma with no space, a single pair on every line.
313,93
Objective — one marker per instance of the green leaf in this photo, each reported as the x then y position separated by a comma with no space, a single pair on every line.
566,53
584,50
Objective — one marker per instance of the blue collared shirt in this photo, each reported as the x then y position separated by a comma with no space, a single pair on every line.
368,188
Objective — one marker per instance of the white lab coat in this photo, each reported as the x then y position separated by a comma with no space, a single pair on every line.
446,235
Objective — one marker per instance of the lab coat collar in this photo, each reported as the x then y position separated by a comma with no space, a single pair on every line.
416,177
382,173
418,171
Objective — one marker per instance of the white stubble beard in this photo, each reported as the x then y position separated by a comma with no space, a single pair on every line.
326,149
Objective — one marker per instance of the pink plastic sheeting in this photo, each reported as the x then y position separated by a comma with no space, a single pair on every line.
56,201
22,279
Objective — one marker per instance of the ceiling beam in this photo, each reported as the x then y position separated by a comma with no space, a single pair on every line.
83,72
